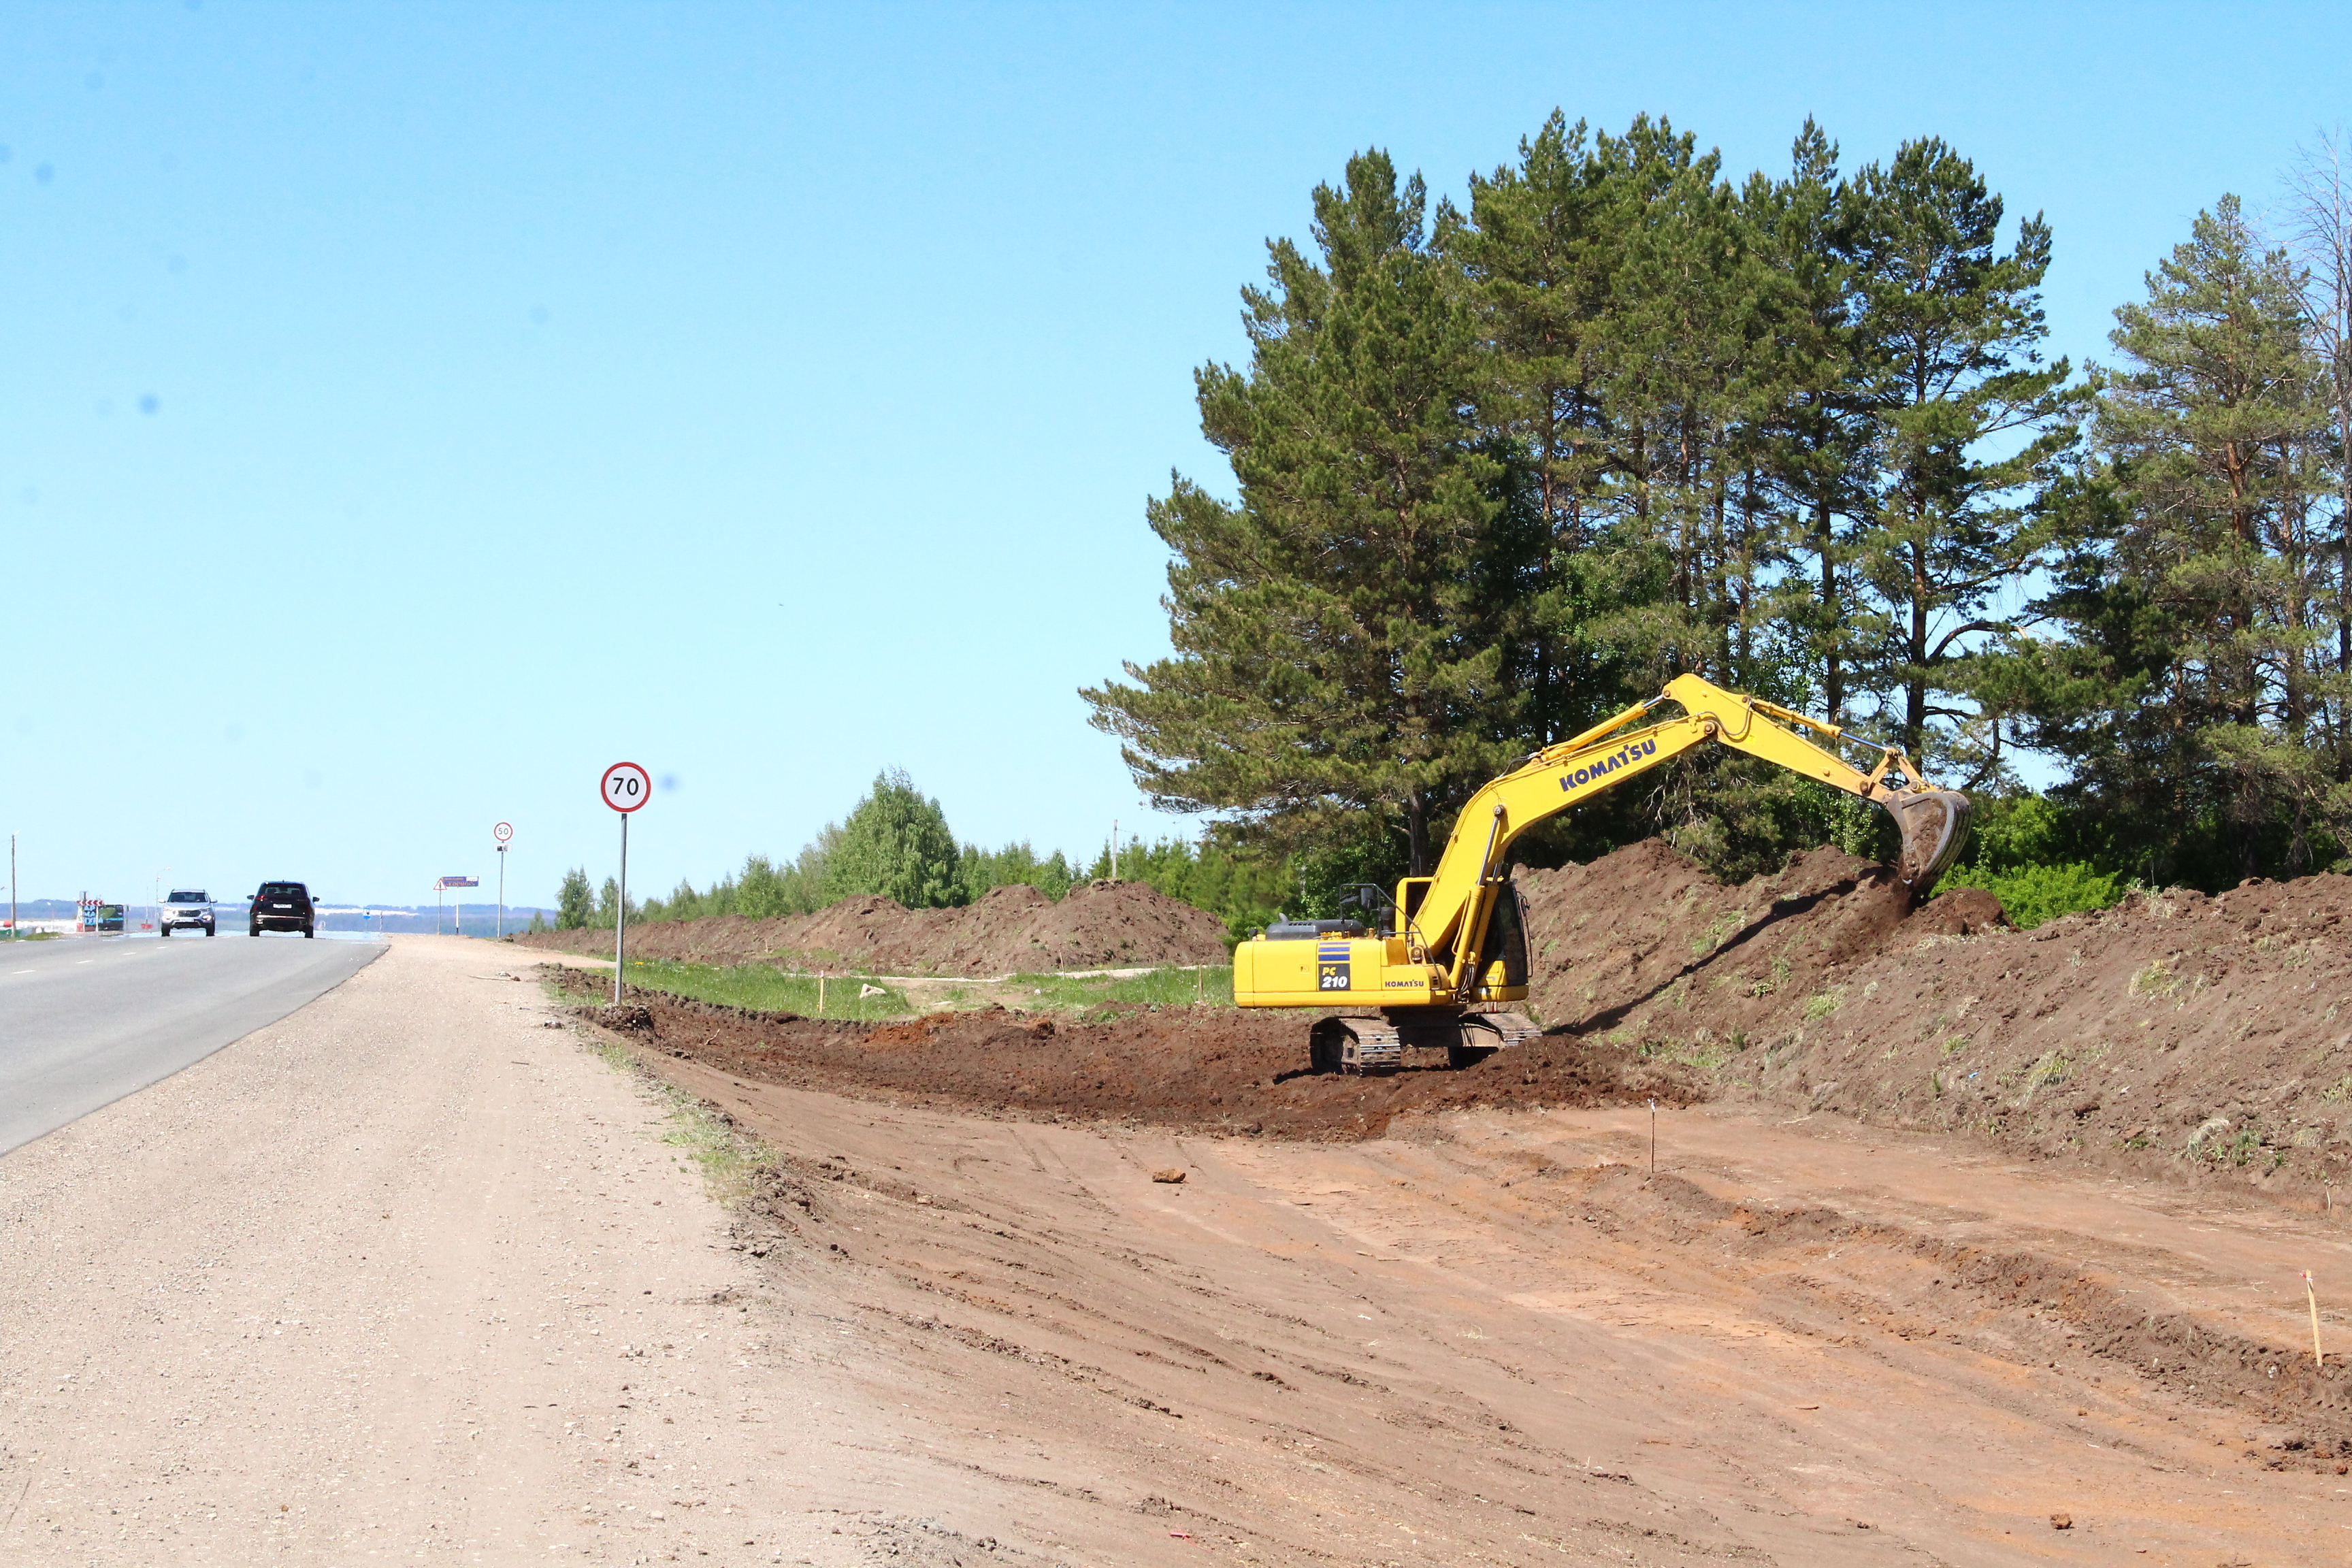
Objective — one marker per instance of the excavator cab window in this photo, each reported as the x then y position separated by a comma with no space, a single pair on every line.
1378,906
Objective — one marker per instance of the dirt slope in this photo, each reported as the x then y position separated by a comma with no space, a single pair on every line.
1012,930
2202,1037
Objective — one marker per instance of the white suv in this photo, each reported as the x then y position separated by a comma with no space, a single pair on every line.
187,907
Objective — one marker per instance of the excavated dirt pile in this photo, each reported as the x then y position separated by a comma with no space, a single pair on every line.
1195,1068
1011,930
2200,1039
2206,1037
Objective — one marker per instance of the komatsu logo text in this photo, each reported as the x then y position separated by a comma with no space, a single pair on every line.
1624,758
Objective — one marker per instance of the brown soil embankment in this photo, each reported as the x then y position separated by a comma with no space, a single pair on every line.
1195,1068
1011,930
2204,1038
2204,1035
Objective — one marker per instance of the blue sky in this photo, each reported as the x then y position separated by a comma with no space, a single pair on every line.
407,410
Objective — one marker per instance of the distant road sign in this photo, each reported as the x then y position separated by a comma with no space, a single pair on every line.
456,882
502,832
625,786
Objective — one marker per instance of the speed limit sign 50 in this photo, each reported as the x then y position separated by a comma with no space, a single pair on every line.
625,786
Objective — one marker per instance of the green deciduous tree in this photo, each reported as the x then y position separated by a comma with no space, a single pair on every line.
576,903
608,906
896,844
977,870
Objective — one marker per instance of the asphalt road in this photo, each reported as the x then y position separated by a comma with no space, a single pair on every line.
86,1020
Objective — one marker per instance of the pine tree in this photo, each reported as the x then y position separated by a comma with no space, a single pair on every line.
1334,632
1538,259
1814,439
2188,695
1967,420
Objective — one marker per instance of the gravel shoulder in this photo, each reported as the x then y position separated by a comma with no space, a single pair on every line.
405,1274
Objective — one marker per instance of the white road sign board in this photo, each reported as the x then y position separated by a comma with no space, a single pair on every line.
625,786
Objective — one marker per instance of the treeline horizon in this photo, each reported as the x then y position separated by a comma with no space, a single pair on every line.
896,844
1504,469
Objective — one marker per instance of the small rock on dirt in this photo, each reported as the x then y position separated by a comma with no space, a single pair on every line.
1170,1174
2061,1522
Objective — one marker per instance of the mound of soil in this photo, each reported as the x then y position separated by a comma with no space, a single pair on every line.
2205,1037
1212,1069
1012,930
2200,1039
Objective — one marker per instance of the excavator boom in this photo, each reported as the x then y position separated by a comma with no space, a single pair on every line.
1455,940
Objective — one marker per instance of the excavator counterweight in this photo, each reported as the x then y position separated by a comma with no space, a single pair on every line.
1444,959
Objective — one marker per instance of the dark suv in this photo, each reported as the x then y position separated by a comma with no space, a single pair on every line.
285,906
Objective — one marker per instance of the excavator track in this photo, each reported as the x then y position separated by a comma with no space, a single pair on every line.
1356,1044
1377,1045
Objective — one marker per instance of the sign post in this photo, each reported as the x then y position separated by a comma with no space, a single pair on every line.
625,788
450,882
502,832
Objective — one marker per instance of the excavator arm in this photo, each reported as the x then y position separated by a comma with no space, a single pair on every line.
1450,917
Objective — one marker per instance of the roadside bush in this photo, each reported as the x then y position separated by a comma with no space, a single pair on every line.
2034,894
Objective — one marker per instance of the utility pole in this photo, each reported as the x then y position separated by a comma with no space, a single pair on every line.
12,887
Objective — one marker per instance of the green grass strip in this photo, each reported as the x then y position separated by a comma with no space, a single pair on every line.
765,990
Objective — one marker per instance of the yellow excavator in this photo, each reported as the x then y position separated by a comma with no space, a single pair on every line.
1448,948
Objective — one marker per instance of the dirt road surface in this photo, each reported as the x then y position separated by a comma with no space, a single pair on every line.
409,1277
1492,1337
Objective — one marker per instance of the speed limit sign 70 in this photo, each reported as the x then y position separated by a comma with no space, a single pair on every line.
625,786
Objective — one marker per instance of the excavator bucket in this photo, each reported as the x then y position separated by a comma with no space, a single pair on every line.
1934,827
